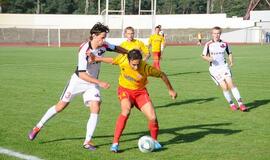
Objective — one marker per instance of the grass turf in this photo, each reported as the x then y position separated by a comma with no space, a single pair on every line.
197,125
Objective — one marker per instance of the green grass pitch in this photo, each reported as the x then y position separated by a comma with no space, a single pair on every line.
197,125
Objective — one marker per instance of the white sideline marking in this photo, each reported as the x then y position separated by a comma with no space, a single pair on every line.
17,154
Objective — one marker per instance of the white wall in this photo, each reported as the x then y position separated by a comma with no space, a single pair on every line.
45,20
116,21
247,35
260,15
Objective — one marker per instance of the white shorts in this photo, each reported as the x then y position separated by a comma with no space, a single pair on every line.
78,86
220,73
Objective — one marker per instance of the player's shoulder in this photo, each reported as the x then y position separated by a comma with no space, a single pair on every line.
123,43
209,42
224,42
84,46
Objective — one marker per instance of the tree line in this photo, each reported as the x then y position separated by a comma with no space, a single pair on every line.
231,7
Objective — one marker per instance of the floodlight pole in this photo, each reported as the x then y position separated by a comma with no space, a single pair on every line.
98,7
107,12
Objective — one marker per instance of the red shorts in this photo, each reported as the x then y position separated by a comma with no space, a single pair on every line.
156,55
137,97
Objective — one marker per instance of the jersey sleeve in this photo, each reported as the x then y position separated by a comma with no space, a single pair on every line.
151,71
205,50
82,59
143,48
120,58
109,47
150,40
228,49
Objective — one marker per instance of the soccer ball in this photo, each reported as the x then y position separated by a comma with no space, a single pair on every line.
146,144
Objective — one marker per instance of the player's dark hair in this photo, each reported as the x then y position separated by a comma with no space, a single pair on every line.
129,28
158,26
97,29
134,54
217,28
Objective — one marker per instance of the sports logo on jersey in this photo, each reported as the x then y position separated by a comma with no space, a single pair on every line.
223,45
97,95
100,52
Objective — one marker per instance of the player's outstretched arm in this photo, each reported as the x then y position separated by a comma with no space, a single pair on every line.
86,77
102,59
120,49
230,60
167,82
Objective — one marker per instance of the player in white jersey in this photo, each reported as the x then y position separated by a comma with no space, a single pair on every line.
84,81
214,52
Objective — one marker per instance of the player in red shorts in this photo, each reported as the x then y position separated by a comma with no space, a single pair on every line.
157,44
132,92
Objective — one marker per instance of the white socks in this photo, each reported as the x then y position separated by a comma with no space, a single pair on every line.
49,114
236,95
228,97
91,126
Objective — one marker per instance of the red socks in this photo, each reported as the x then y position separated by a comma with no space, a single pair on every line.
120,125
153,127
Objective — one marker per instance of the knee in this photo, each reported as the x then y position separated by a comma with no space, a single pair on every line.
125,112
61,105
153,118
94,107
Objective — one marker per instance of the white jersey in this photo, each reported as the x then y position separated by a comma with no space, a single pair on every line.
78,86
91,68
217,50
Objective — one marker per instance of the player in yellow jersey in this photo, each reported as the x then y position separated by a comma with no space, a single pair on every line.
132,43
132,92
157,43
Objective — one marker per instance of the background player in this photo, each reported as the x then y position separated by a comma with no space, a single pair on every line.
132,92
214,53
84,81
199,37
157,43
132,43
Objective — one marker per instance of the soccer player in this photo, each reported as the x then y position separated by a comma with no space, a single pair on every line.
214,53
132,92
84,81
157,42
199,36
132,43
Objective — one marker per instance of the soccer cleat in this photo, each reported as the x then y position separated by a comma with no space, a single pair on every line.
115,148
90,146
234,107
32,135
157,146
243,108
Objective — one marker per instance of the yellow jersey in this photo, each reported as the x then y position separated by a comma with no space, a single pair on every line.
134,79
156,41
135,44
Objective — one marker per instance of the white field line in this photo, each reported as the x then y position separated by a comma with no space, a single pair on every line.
17,154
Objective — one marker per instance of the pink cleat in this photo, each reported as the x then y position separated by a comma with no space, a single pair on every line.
243,108
234,107
32,135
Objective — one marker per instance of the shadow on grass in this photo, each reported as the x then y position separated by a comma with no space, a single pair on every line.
199,132
257,103
199,101
183,73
